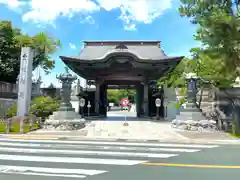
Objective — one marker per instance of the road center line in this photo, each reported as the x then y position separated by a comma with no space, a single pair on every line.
191,165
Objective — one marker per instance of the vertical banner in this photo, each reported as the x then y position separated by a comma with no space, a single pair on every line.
25,81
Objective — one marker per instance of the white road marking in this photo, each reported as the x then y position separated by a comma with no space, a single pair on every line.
120,162
113,143
26,169
79,152
47,174
110,115
66,146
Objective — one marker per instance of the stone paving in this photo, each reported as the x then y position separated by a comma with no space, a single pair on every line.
115,127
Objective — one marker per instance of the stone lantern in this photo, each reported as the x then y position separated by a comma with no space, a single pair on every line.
191,117
65,118
191,80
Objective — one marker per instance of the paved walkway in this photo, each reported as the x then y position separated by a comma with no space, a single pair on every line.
118,129
125,125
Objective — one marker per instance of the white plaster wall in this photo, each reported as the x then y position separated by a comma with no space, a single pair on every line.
75,105
170,100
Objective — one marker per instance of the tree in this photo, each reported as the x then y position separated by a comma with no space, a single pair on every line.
212,69
218,30
113,96
11,41
9,52
176,77
116,95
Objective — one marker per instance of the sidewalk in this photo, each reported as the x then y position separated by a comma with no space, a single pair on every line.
135,131
42,137
117,129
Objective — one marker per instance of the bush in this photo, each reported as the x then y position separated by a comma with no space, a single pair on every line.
12,111
180,103
42,106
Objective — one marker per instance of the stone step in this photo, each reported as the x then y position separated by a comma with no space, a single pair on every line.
190,116
188,109
64,115
197,118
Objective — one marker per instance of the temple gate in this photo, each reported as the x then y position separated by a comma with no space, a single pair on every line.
123,63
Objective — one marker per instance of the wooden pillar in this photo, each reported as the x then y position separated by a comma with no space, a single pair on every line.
139,99
145,98
97,97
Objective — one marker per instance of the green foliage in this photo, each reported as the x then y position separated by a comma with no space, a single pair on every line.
9,53
218,30
11,41
116,95
176,77
15,128
180,103
42,106
214,70
12,111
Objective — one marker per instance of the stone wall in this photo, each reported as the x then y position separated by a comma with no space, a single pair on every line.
221,97
5,103
225,99
8,95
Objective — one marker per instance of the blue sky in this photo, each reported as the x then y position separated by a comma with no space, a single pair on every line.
73,21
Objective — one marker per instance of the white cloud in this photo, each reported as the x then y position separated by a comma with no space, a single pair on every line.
134,11
88,19
12,4
72,46
48,10
130,27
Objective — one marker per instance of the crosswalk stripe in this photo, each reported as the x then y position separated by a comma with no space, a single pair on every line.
49,153
25,169
66,146
48,174
86,152
115,143
120,162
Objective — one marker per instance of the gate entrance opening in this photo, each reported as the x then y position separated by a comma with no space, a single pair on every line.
121,102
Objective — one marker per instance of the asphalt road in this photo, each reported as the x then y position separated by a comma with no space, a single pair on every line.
112,160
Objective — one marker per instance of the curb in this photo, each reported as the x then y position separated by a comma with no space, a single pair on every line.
73,138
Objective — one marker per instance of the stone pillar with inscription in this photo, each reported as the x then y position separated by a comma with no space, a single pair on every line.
25,81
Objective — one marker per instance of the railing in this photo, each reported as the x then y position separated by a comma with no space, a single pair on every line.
8,90
19,124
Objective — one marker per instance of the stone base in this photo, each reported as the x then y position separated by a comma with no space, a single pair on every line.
192,119
64,121
64,125
193,125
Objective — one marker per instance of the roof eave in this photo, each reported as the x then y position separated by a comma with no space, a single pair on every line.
155,60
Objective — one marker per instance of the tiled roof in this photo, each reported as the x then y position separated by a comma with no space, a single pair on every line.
142,52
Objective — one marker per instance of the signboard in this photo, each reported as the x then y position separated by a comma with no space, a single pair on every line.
82,102
124,101
89,105
111,104
25,81
158,102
